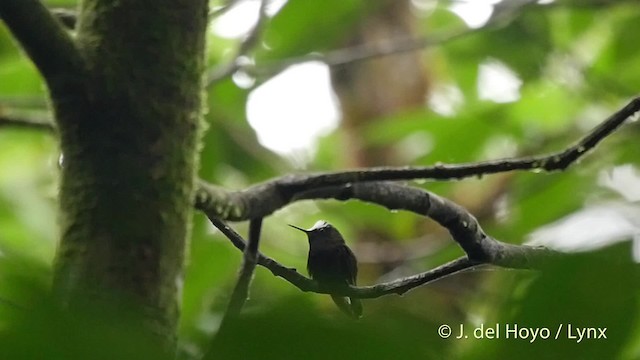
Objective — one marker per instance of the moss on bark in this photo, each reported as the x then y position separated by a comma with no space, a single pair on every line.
129,139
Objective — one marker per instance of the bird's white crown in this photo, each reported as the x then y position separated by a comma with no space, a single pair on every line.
319,224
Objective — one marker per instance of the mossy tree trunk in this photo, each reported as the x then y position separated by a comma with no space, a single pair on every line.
128,125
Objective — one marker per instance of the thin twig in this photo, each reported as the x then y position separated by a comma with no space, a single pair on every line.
68,17
249,42
398,286
221,10
290,274
26,123
366,52
250,259
263,199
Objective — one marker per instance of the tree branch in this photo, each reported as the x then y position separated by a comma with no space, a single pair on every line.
67,17
464,228
250,259
555,161
222,9
277,269
246,45
366,52
263,199
399,286
45,41
504,13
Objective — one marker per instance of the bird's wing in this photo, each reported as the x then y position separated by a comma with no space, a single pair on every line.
349,265
350,268
337,266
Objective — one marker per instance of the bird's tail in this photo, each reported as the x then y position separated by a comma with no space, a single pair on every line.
349,306
356,307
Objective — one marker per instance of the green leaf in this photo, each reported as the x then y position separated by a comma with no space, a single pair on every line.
304,26
594,290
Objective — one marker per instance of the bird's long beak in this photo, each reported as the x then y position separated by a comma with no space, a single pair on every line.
301,229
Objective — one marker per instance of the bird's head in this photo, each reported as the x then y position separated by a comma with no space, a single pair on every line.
322,233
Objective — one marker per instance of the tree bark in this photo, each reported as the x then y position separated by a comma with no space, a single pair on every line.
129,133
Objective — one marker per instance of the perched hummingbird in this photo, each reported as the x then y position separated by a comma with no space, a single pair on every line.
332,263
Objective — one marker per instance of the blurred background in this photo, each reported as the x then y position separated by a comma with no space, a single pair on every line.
491,79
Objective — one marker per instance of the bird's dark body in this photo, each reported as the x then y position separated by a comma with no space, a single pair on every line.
331,263
334,265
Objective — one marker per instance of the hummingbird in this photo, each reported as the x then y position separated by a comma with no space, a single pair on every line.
332,263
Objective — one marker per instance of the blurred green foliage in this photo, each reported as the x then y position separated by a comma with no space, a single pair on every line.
577,63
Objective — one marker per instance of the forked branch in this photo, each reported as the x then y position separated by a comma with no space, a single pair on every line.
463,227
365,185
